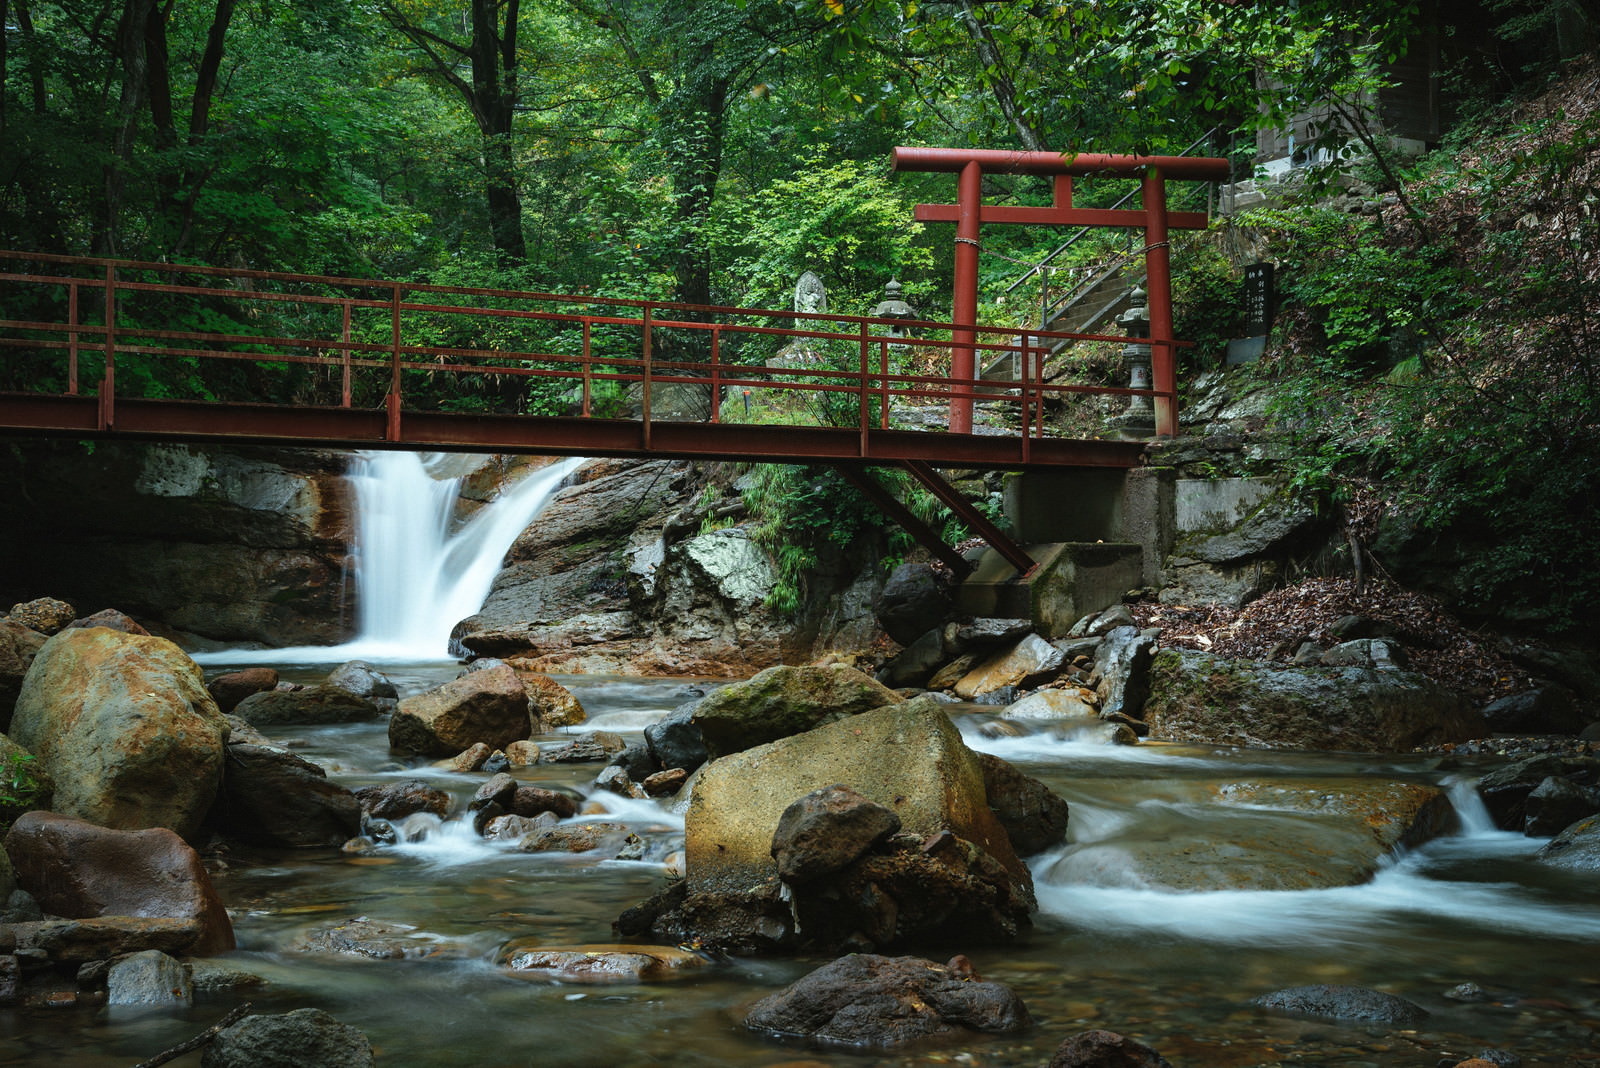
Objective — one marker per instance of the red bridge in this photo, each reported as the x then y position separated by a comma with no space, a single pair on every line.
124,350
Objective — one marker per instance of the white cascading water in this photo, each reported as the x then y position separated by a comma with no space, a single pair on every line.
417,577
417,573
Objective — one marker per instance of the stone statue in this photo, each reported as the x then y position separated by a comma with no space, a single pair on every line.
810,296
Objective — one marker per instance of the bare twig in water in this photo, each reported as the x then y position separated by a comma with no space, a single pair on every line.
198,1040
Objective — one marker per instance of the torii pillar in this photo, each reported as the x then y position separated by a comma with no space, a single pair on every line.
969,213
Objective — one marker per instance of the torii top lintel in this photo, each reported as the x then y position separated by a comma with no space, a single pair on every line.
1063,167
969,213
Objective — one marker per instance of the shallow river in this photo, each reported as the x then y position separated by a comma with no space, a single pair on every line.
1174,970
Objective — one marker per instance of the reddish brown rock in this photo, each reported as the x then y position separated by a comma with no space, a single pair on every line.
228,690
483,706
397,800
78,870
111,619
551,704
532,800
663,783
1105,1049
44,614
18,646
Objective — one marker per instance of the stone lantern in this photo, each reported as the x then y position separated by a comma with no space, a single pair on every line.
1139,419
893,307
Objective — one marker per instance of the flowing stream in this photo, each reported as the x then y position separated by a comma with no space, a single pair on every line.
1175,970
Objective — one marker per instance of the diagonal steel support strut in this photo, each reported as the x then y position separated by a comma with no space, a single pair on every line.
926,536
974,519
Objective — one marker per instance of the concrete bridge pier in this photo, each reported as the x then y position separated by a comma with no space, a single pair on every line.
1095,533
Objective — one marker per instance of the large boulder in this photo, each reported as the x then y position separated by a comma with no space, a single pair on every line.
950,873
866,1001
272,797
550,704
295,1039
314,704
781,701
674,741
1030,661
1196,697
1505,790
1279,835
18,646
229,689
1577,848
913,601
1034,816
78,870
1123,664
125,727
482,706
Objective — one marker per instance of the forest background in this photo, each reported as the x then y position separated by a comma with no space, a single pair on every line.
1437,358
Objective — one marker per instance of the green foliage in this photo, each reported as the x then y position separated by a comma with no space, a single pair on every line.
20,787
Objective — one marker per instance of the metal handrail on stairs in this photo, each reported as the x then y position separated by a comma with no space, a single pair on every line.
1052,313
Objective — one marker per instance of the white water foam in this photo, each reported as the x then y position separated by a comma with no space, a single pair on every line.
416,573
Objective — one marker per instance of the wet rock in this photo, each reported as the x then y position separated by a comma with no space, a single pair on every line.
1350,828
827,829
272,797
987,633
228,690
363,680
1343,1003
576,838
1105,1049
104,937
950,874
471,758
522,754
1505,790
1030,661
311,705
149,977
397,800
912,665
46,615
664,783
598,964
482,706
111,619
18,646
614,779
363,937
675,740
1123,664
514,828
1467,993
1546,710
593,747
636,760
1051,705
532,800
1196,697
78,870
293,1040
500,789
946,677
550,704
1577,848
866,1001
217,977
1034,817
781,701
913,600
125,728
1557,803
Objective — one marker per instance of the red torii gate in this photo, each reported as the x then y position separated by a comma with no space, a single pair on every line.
969,213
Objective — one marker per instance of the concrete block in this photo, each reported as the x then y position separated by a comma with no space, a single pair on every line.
1217,504
1072,580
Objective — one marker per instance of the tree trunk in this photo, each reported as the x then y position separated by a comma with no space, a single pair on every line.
694,159
1000,83
135,73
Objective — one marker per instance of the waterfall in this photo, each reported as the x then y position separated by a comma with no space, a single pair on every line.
417,571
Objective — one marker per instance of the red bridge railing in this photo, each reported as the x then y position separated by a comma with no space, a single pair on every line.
96,346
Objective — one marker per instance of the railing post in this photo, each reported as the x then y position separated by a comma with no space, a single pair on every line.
344,392
1026,420
861,388
588,326
883,386
716,374
108,384
72,339
644,408
393,431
